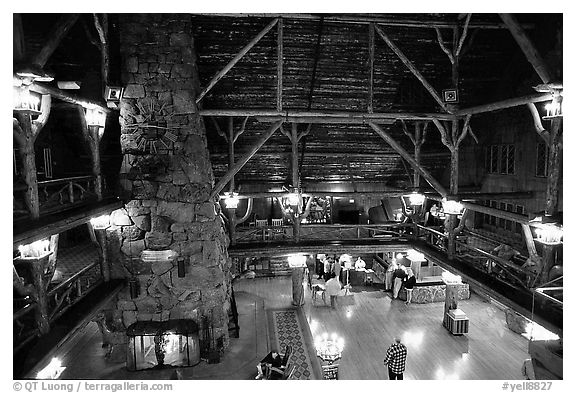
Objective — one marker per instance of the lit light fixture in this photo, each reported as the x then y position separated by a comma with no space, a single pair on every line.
101,222
452,206
450,278
293,198
231,200
414,255
297,260
399,216
96,118
415,198
549,233
24,101
554,108
52,371
329,348
37,249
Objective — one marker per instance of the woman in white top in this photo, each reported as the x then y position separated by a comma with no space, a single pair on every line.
333,289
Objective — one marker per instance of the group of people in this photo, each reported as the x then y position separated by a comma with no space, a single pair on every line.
398,275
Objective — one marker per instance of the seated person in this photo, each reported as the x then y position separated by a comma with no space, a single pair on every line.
360,264
273,359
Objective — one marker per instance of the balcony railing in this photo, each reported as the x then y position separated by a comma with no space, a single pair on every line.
56,195
319,232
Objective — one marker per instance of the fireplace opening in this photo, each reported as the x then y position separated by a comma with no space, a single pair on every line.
155,344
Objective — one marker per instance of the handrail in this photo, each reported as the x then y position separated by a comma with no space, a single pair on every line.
495,258
72,278
64,180
435,232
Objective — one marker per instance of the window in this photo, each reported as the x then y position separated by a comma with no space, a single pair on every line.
541,160
501,159
519,210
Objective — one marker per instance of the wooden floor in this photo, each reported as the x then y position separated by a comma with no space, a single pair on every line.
489,352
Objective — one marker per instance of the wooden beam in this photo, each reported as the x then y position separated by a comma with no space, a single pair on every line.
58,32
509,103
323,120
554,165
371,68
289,116
91,136
237,166
412,68
280,65
235,60
396,146
527,47
67,97
384,21
45,228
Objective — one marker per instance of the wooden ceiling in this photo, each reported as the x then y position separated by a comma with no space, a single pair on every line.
325,69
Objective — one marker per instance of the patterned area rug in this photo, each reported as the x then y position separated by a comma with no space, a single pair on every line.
287,327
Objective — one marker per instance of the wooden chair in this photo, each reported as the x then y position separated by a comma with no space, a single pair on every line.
330,371
277,222
280,372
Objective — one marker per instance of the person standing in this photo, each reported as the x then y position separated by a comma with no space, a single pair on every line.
389,275
327,268
396,360
333,288
528,369
337,268
399,275
409,285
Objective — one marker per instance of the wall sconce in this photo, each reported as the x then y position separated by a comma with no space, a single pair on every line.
181,267
452,206
133,287
96,119
554,108
297,260
37,249
101,222
52,371
231,200
25,101
415,198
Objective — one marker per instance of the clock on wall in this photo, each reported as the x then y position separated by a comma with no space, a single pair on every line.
149,130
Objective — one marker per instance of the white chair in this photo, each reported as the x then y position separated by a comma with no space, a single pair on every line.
261,223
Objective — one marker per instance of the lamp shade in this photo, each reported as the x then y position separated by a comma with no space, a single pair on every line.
452,206
297,260
95,117
549,233
231,200
101,222
415,199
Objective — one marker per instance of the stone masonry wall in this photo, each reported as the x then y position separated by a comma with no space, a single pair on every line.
166,177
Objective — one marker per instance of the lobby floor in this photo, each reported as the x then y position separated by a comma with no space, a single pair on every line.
368,321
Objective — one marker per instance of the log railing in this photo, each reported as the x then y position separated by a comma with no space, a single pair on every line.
57,195
73,289
319,232
60,299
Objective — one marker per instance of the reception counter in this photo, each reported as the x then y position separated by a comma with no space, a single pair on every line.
430,292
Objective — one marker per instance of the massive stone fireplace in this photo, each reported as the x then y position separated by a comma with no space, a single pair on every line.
166,178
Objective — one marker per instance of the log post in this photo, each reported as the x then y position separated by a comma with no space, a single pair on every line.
232,222
92,136
104,261
26,144
36,266
549,252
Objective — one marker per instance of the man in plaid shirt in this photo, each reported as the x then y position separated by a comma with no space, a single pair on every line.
396,359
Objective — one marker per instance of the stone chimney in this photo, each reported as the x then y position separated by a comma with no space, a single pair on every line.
166,179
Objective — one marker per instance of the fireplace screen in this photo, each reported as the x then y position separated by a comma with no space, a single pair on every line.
153,344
